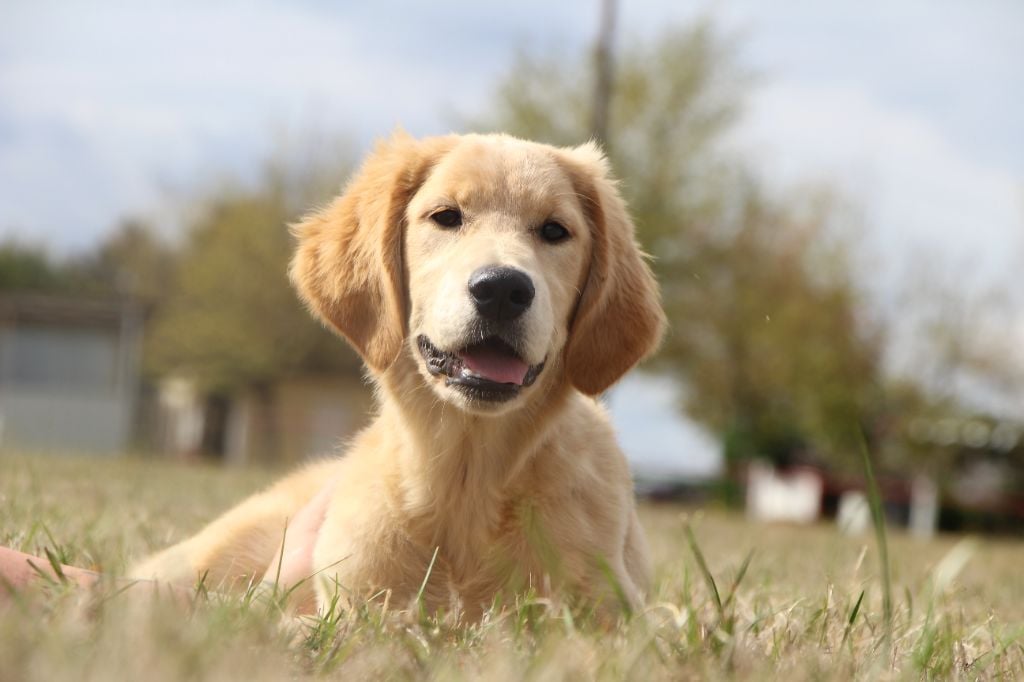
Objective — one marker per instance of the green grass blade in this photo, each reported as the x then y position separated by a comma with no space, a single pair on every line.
878,520
55,565
740,575
616,585
63,556
853,617
703,566
426,578
41,573
280,557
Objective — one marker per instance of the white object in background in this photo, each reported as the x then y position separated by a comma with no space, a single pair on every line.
793,497
182,417
924,507
854,514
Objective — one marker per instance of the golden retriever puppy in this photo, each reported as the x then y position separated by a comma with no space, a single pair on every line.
494,288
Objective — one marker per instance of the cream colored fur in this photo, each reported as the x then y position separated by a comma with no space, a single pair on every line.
529,493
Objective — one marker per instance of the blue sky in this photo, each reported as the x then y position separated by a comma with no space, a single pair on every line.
914,109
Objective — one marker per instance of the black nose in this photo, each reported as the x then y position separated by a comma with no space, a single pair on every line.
501,293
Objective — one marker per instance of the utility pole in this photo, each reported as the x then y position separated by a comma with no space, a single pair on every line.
603,72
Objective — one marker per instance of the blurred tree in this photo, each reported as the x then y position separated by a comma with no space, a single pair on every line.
673,101
29,268
960,338
767,329
231,319
133,262
604,71
771,334
967,339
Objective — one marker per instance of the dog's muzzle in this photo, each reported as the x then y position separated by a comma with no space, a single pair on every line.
488,371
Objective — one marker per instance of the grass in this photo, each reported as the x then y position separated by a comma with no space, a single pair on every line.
732,600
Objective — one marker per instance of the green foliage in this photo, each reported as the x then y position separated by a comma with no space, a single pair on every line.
767,332
232,319
133,261
28,269
672,101
771,336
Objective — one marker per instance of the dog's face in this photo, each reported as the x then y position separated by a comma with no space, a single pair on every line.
495,247
497,264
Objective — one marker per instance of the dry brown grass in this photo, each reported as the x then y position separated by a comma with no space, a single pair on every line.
958,603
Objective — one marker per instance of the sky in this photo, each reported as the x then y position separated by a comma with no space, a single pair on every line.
913,109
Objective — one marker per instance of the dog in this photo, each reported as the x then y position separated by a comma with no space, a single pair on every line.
494,288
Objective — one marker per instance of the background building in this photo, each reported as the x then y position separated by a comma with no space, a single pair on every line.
69,373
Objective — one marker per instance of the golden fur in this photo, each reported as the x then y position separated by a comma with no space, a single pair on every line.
533,492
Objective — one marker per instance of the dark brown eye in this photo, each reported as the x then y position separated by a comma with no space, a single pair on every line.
448,218
553,232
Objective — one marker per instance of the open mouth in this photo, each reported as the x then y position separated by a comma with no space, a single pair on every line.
490,370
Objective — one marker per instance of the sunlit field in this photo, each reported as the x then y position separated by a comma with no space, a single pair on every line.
795,612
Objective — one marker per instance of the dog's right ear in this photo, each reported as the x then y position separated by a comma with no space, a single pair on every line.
348,263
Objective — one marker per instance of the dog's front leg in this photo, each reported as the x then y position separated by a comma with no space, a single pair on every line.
236,549
364,553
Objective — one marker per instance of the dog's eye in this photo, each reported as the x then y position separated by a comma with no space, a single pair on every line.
449,218
553,232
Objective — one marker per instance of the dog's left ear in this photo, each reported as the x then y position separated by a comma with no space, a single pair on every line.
348,263
619,319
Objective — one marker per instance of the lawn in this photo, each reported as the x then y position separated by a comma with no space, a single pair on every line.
796,612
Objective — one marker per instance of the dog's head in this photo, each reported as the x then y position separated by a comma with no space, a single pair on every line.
497,264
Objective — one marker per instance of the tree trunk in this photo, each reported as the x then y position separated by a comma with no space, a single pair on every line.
603,73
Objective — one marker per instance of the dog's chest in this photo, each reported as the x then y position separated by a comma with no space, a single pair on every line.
511,550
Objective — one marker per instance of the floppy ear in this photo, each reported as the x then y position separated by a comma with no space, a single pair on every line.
348,264
619,319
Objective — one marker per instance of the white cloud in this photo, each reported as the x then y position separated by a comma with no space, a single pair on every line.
920,193
953,63
105,104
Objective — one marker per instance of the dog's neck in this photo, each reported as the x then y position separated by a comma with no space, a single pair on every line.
452,459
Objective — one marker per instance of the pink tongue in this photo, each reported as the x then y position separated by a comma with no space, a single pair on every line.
495,365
